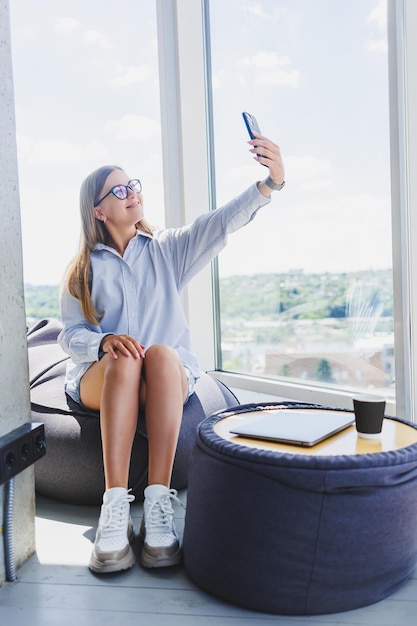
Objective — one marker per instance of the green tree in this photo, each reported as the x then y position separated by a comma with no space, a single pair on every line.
324,371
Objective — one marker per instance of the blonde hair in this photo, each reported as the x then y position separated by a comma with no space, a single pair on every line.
93,231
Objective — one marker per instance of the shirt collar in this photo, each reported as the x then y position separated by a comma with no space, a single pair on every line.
139,233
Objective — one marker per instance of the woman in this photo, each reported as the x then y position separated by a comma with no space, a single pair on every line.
129,343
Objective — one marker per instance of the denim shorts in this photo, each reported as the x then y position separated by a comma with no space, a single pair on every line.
191,382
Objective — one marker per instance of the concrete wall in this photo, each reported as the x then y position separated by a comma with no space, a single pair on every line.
14,378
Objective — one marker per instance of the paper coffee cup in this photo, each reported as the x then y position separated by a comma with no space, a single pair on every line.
369,415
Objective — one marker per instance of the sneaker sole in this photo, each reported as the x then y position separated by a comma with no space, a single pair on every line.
112,565
115,565
149,561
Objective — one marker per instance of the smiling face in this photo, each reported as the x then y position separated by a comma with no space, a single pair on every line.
115,212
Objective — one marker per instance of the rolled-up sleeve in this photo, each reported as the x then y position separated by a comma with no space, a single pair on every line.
78,338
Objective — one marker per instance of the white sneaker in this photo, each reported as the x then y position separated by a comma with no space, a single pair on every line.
161,546
112,551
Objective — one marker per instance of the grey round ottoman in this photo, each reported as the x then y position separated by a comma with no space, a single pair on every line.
299,534
72,469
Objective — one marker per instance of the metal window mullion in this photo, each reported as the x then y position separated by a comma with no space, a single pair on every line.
403,128
185,147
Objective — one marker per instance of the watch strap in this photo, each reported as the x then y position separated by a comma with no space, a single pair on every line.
275,186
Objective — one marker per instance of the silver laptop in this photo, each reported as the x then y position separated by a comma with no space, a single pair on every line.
295,426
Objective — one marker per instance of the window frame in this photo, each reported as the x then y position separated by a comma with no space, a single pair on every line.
403,134
184,43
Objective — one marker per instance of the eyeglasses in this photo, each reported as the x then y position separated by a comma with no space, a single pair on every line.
122,191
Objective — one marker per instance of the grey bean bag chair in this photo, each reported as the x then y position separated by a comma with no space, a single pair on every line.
72,469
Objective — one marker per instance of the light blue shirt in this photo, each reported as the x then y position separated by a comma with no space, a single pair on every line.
139,293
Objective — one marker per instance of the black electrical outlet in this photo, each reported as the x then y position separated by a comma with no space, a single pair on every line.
20,448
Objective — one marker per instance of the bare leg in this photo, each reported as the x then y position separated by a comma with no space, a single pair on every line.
112,386
166,388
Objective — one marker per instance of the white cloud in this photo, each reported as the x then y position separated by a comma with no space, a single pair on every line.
271,68
58,151
134,127
257,10
317,235
45,201
379,14
24,145
307,168
66,25
281,78
96,38
129,75
218,79
308,173
265,60
243,172
315,186
377,45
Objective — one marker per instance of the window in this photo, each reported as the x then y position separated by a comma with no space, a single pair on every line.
326,192
306,291
86,94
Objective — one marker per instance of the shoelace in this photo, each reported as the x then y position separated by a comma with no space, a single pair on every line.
160,512
113,513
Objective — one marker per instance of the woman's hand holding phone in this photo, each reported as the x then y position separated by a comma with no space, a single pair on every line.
266,153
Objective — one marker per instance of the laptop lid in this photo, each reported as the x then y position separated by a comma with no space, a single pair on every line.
295,426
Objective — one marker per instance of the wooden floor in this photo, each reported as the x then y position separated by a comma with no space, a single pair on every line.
55,587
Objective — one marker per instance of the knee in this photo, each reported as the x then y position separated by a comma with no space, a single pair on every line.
161,355
125,368
163,366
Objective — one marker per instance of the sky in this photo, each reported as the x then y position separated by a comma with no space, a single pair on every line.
313,73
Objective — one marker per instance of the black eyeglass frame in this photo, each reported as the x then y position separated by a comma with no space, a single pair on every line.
126,187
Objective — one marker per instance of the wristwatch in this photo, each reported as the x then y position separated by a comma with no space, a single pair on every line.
270,183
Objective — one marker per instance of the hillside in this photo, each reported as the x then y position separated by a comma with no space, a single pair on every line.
270,296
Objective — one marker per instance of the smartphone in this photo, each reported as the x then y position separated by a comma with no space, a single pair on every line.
251,124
